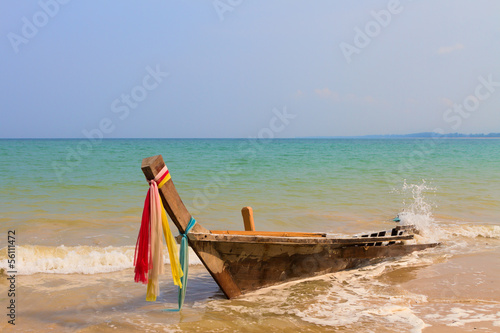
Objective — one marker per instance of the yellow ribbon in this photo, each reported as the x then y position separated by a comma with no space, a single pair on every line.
172,250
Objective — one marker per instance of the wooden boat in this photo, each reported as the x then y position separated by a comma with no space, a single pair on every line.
243,261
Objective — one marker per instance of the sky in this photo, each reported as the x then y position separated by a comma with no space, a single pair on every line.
240,68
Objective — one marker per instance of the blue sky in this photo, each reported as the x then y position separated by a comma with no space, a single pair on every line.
227,68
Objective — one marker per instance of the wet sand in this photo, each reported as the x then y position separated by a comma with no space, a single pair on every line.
462,293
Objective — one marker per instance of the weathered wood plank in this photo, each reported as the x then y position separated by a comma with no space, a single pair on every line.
247,213
268,233
280,239
255,266
168,193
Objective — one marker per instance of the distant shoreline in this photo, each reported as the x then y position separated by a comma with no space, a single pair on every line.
423,135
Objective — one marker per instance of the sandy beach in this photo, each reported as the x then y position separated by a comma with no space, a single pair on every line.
448,289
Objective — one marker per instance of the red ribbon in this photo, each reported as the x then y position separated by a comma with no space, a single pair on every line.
142,257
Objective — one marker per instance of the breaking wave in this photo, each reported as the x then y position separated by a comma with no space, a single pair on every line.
62,259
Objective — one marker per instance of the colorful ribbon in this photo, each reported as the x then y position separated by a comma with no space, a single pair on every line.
148,258
184,254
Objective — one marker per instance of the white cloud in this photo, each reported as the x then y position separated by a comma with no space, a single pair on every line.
351,98
298,94
447,102
449,49
327,93
370,100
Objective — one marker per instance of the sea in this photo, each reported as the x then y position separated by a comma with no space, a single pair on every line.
72,209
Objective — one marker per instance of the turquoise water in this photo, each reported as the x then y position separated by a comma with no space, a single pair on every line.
291,184
76,207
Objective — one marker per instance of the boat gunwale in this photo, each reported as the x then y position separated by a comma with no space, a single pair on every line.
268,233
236,238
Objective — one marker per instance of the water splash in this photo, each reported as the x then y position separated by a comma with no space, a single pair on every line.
417,209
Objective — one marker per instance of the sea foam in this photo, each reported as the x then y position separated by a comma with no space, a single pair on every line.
75,259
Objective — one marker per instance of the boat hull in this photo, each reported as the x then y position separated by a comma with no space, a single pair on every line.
256,264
